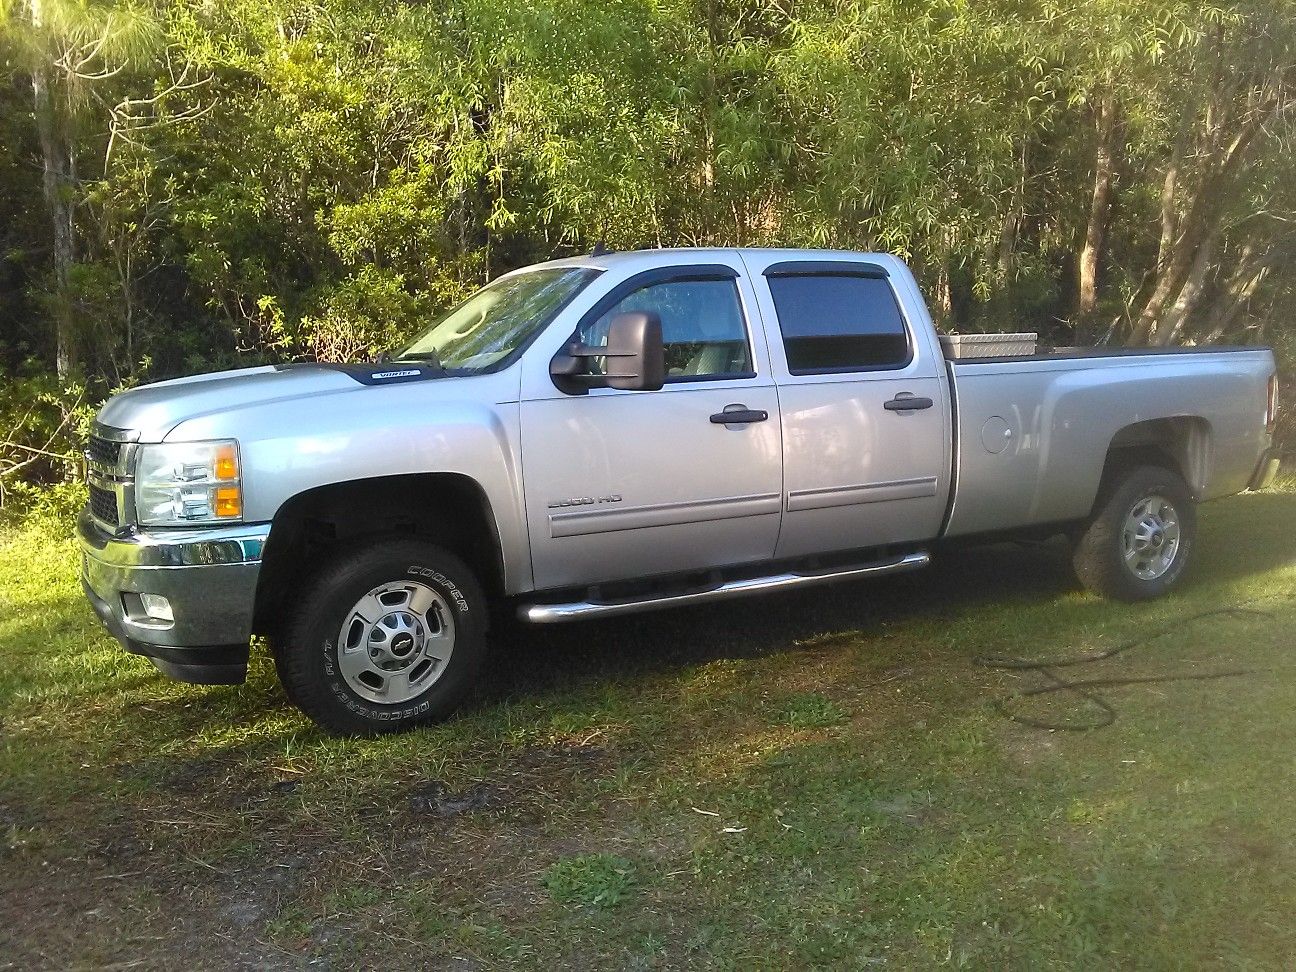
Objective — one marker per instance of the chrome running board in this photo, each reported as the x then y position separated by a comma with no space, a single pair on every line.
576,610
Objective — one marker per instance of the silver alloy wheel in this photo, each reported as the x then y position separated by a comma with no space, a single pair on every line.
1150,538
395,642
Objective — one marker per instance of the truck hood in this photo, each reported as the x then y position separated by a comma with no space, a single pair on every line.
154,410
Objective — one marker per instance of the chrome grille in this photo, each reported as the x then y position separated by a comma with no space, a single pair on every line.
103,452
109,454
103,505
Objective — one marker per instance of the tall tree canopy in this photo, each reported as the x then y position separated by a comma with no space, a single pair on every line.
187,185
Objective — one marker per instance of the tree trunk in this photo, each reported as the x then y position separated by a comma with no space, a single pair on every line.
1199,223
56,187
1195,227
1099,206
1007,246
944,291
1242,285
944,298
1169,200
1004,263
1169,214
1171,327
710,102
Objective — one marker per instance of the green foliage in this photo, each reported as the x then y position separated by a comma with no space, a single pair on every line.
360,316
593,880
44,425
261,179
54,505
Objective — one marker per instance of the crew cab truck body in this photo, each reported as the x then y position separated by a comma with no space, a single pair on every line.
615,433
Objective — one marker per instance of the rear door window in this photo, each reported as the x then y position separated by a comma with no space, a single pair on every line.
838,322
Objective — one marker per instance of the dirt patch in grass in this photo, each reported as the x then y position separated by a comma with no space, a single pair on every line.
237,869
1027,750
811,781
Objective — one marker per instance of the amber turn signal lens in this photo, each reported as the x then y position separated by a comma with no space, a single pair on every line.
227,462
229,501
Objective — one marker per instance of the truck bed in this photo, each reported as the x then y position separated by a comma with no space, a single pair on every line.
1032,432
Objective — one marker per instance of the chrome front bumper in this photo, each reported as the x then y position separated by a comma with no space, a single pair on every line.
208,575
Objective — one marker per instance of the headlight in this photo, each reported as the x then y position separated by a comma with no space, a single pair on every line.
188,482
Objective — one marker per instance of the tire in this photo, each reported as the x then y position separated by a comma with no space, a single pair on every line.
412,663
1141,537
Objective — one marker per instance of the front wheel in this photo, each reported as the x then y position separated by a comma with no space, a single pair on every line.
386,637
1141,538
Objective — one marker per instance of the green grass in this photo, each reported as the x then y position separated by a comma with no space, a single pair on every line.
596,880
811,780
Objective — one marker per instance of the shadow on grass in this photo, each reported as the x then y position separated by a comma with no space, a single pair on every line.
190,794
537,658
533,662
961,581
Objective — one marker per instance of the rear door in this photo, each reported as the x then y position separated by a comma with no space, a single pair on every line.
862,394
629,484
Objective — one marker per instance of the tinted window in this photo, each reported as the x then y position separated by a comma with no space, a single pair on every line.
702,327
834,323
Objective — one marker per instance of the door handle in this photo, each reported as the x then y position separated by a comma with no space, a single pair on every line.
905,402
739,415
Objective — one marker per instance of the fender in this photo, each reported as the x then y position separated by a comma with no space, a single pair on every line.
466,426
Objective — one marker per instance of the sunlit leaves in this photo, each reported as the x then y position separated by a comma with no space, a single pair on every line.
362,162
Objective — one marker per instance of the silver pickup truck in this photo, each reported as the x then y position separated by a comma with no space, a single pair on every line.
602,435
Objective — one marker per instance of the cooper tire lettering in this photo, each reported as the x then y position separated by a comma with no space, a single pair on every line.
309,654
461,602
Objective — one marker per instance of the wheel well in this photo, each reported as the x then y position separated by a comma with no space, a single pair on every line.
447,508
1181,444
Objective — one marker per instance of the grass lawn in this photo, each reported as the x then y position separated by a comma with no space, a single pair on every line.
819,779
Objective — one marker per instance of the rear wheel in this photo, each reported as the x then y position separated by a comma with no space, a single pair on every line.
387,636
1141,537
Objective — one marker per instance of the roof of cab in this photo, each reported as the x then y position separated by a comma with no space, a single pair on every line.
671,255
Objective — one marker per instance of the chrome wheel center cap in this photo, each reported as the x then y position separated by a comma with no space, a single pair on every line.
1151,537
395,642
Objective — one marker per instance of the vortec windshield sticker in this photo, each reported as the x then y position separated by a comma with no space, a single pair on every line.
368,374
396,374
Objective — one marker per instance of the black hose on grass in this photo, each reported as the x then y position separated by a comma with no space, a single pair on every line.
1084,687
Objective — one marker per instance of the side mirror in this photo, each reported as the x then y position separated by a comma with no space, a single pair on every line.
635,357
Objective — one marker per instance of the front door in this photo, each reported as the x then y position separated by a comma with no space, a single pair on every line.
866,437
629,484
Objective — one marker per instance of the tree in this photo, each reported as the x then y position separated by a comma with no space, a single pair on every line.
190,186
68,49
1237,104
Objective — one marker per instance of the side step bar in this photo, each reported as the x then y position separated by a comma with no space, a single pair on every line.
576,610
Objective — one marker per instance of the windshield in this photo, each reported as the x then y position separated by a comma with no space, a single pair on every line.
489,329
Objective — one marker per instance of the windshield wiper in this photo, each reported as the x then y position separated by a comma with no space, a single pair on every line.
429,357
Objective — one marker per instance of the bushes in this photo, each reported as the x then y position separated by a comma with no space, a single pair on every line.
255,181
44,425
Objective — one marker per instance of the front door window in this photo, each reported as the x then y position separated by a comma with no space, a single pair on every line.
702,327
